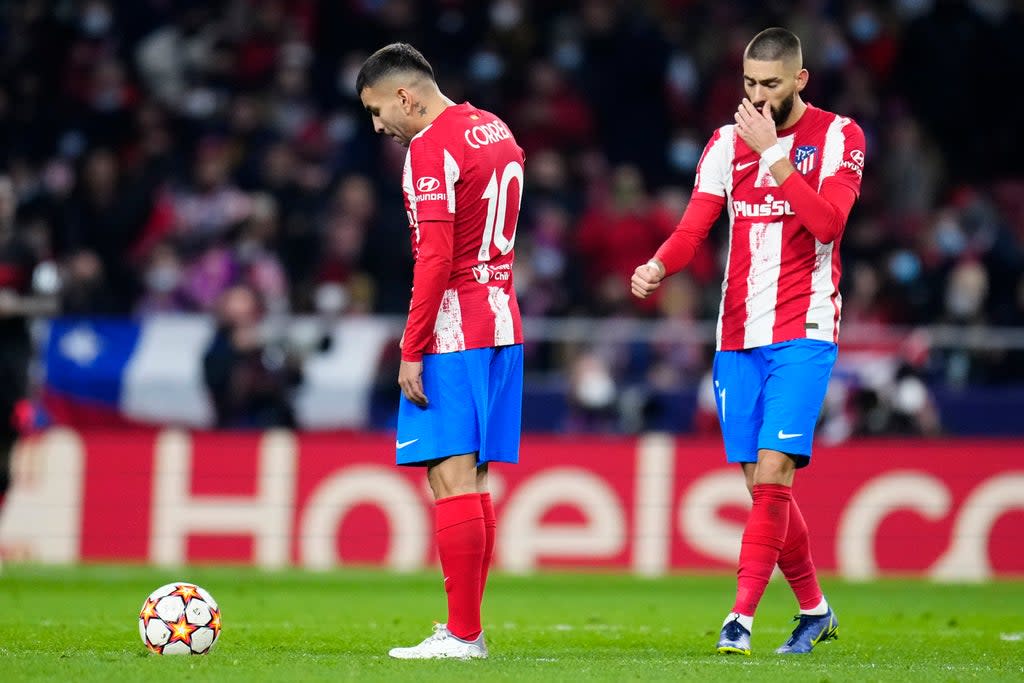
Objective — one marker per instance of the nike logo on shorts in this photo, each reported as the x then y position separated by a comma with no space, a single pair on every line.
402,444
783,435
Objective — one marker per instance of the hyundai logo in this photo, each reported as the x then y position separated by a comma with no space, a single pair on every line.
427,184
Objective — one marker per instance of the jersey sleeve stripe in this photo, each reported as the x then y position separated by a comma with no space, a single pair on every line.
715,165
409,190
835,146
451,176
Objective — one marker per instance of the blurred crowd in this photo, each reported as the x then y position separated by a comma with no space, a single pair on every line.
166,153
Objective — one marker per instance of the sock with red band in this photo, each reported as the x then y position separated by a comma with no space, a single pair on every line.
763,540
460,545
796,563
490,529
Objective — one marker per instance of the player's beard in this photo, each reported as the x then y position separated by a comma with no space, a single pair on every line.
785,109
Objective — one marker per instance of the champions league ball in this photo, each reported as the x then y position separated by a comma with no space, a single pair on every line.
179,619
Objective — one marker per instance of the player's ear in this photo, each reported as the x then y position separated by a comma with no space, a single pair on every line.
404,99
801,79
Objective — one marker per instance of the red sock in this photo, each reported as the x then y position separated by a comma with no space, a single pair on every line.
763,539
796,563
490,529
460,544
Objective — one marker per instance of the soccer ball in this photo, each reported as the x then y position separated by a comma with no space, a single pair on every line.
179,619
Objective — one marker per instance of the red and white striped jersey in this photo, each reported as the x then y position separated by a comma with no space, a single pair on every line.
780,282
465,172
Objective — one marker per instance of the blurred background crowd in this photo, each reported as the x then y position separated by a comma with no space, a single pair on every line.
211,156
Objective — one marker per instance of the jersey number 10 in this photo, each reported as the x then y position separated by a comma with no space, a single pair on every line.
496,195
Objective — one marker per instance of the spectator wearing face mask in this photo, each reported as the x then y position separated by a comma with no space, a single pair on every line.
249,379
162,282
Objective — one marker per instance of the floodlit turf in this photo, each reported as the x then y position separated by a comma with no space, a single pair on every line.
80,625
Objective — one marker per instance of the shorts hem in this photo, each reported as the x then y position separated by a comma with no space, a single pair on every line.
740,458
800,459
425,460
514,460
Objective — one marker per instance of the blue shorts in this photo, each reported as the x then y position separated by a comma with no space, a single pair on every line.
475,406
771,396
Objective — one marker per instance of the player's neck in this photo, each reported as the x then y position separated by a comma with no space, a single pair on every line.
799,107
431,108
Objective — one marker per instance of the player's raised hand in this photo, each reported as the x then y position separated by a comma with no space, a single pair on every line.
646,279
756,127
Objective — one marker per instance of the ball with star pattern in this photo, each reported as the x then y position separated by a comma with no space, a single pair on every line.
179,619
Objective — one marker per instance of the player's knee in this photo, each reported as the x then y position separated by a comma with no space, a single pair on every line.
453,477
774,467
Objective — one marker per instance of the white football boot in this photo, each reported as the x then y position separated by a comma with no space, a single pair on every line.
443,645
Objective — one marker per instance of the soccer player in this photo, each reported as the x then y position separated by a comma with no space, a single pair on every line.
461,373
788,174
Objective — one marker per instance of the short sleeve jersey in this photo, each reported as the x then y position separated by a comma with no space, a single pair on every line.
465,169
780,282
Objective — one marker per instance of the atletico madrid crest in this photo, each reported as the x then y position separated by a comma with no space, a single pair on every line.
805,158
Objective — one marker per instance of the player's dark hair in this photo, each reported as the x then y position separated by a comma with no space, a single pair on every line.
391,59
774,44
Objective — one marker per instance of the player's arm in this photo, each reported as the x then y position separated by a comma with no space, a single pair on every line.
431,273
435,237
824,215
679,249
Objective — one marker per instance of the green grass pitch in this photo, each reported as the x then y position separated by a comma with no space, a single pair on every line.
80,624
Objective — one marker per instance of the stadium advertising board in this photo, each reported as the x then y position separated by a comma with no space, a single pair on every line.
945,509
